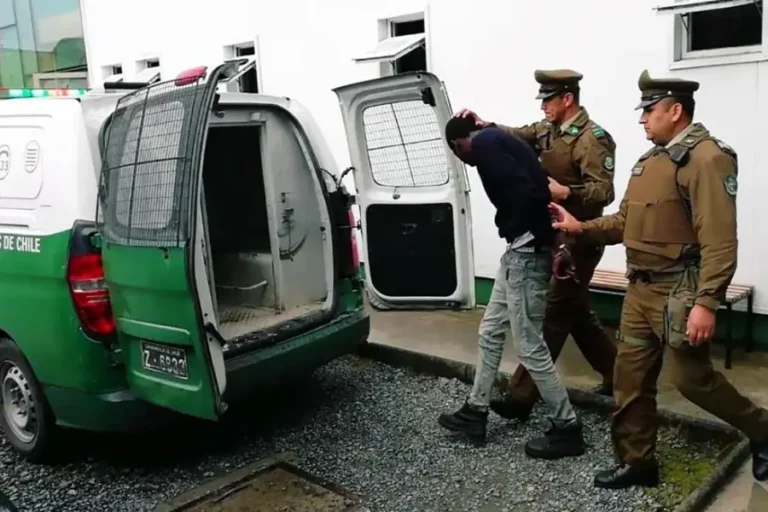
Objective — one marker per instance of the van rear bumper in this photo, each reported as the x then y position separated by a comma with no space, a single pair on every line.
118,411
124,411
271,367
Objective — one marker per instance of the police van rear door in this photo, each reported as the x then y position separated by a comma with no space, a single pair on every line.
412,191
154,244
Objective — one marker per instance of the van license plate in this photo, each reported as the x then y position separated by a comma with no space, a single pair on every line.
164,359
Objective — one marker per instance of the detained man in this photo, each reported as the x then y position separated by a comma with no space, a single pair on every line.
518,188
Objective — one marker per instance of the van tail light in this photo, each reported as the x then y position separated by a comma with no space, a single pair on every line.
85,275
353,242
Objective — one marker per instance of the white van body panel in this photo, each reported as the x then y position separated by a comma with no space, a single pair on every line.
51,177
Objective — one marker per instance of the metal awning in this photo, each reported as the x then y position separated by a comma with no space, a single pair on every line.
689,6
148,75
392,48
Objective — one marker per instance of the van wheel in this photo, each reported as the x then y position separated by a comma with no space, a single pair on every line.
25,416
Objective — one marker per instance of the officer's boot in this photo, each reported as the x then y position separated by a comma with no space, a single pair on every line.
621,477
558,442
468,420
511,409
760,461
603,389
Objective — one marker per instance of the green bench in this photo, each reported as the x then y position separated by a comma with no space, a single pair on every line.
615,283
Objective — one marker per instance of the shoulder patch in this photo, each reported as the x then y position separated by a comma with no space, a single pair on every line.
731,184
598,131
608,163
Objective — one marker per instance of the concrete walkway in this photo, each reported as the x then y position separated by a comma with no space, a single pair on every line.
453,335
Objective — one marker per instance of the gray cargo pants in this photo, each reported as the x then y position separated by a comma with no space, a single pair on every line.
517,301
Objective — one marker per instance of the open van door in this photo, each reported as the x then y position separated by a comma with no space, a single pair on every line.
154,246
412,191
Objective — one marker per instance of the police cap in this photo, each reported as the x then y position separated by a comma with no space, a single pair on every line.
654,90
556,81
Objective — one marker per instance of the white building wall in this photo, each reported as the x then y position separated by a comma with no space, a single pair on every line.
485,51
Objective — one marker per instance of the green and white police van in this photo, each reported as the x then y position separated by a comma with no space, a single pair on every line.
173,247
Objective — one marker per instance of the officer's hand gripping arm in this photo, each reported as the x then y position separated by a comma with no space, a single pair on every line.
608,229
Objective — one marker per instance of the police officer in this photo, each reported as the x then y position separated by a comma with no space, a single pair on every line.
677,221
579,157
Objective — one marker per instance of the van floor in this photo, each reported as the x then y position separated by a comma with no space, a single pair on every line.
236,321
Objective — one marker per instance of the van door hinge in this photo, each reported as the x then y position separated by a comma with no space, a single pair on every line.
211,329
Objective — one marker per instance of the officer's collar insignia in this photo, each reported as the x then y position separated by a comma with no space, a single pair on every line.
731,184
573,130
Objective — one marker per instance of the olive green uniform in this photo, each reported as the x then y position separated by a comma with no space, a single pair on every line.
579,154
677,221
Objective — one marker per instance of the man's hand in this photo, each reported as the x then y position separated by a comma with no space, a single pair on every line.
559,192
701,325
465,112
563,220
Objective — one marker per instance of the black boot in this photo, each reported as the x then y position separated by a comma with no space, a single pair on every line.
603,389
643,475
467,420
557,443
511,410
760,461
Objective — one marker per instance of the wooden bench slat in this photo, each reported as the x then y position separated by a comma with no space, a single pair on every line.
617,281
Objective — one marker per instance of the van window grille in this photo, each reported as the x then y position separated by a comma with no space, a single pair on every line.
405,145
149,164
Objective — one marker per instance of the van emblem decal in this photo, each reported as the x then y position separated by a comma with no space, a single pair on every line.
5,161
31,156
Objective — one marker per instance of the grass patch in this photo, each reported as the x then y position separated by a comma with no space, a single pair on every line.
687,459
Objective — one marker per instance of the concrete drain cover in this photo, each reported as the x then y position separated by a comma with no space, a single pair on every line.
279,487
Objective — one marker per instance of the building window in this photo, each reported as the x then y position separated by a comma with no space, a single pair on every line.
247,78
41,44
148,71
416,59
112,73
402,46
716,28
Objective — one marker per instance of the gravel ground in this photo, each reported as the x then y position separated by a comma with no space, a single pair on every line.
363,426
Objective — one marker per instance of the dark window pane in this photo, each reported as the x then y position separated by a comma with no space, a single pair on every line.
725,28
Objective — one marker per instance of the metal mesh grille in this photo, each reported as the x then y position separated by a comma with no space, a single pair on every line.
405,147
147,169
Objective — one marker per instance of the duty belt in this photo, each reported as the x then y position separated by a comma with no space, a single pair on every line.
649,276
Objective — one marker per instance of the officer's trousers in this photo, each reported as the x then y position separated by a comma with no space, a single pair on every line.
569,312
641,350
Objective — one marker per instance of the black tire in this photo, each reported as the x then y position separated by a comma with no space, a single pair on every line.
41,448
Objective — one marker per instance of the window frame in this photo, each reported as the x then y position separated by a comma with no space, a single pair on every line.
682,58
231,52
386,31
